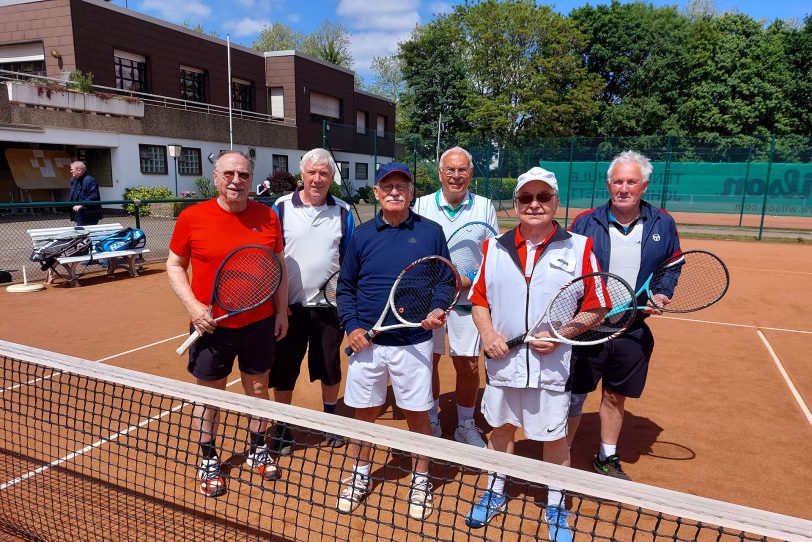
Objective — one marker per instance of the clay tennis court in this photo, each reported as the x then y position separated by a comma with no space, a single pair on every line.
717,419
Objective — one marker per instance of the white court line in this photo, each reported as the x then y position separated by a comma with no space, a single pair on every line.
34,381
786,271
786,377
109,438
751,326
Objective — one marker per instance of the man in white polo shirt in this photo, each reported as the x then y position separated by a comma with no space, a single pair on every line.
453,206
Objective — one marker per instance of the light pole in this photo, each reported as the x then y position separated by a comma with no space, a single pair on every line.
174,152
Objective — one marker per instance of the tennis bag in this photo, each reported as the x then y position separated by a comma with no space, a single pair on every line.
77,244
125,239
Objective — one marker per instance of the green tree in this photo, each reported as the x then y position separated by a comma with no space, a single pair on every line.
798,48
330,42
199,29
278,37
387,78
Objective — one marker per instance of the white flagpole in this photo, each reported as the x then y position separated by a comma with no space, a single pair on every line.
230,120
439,127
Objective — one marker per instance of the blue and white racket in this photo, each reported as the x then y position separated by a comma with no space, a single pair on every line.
686,282
465,246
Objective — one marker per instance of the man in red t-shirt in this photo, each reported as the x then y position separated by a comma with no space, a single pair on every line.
204,235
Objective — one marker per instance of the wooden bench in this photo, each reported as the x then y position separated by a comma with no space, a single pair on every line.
71,264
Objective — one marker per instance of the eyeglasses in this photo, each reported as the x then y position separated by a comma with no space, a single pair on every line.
229,175
389,187
450,171
541,197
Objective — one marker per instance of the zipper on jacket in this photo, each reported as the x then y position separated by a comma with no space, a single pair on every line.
526,324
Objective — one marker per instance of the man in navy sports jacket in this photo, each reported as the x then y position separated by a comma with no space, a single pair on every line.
631,238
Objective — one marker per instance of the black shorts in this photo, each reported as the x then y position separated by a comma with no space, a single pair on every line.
622,363
318,326
212,356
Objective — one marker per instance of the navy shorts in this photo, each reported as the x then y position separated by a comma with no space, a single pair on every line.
319,327
622,363
212,356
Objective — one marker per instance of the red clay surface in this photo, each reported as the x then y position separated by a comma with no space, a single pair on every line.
716,420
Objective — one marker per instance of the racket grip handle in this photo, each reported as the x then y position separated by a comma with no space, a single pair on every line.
512,343
368,336
348,350
188,342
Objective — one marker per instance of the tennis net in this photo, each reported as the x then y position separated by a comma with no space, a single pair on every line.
94,452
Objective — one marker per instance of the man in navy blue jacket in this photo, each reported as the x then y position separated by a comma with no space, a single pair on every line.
631,238
378,251
83,188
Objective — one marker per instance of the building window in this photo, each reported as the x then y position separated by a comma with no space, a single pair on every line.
280,162
28,58
242,95
153,159
360,122
277,102
191,84
381,126
131,71
189,162
345,169
98,161
324,106
361,171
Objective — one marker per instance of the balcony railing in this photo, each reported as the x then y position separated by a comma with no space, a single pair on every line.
155,100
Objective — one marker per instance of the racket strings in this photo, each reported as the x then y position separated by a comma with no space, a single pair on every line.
426,286
330,290
465,246
247,279
692,281
581,312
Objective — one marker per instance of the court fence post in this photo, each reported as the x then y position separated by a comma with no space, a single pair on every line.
667,171
766,186
746,180
595,178
569,183
137,215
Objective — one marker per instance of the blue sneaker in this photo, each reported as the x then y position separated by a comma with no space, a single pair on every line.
557,520
489,506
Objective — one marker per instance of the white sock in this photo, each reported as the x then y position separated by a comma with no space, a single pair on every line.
607,450
420,478
496,483
555,497
434,412
464,413
363,470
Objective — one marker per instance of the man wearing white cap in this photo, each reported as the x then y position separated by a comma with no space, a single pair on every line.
521,271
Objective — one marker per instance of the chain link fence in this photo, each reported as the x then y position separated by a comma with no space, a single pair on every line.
753,187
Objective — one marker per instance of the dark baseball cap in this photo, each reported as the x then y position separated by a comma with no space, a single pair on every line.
392,167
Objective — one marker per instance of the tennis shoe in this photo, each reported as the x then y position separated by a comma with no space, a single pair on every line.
262,463
469,433
355,490
436,430
556,518
212,481
282,440
420,500
334,441
610,467
489,506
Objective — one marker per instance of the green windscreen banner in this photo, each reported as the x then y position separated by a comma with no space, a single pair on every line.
699,187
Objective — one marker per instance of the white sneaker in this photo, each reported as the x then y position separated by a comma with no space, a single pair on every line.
420,500
436,430
355,490
469,433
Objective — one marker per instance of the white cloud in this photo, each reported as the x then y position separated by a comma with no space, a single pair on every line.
245,26
188,10
367,45
294,17
437,8
246,3
393,16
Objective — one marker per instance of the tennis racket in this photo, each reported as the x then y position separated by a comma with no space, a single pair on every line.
579,314
247,278
425,286
465,246
328,290
686,282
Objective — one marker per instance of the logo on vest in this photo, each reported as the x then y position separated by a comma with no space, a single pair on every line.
656,236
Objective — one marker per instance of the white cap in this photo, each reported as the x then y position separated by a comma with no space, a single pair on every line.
537,174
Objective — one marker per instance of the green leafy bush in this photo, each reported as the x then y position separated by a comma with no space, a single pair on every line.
144,193
206,188
83,82
282,181
365,193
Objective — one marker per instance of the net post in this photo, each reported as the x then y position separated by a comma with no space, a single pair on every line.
766,186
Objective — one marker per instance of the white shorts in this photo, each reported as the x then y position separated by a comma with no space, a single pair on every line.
541,413
409,368
463,337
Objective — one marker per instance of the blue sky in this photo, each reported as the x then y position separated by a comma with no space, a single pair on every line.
376,26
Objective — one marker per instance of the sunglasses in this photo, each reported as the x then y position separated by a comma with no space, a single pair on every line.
541,197
229,175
